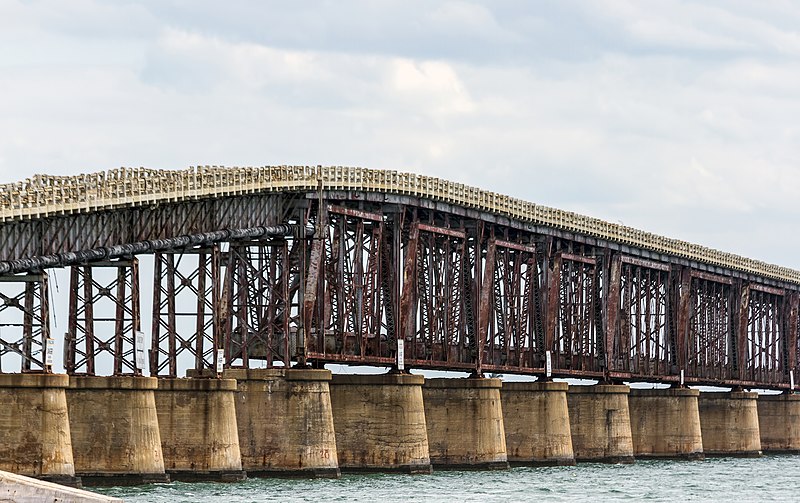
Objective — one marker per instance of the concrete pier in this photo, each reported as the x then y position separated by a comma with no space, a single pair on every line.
464,419
729,422
600,423
114,426
380,423
779,423
34,429
665,423
197,422
285,422
536,422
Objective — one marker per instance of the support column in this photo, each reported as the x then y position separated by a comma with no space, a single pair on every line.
665,423
464,420
197,422
285,422
34,429
536,422
600,423
729,422
779,423
114,426
380,423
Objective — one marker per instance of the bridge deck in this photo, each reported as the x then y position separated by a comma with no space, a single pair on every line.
401,269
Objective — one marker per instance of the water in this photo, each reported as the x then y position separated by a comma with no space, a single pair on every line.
771,478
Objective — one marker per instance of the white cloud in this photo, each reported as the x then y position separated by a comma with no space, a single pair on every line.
673,117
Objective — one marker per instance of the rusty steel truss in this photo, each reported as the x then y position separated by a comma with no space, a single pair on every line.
315,276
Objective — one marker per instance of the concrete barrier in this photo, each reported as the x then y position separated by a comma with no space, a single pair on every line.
379,422
35,437
729,422
20,489
285,422
197,423
779,423
464,419
536,422
665,423
114,426
600,423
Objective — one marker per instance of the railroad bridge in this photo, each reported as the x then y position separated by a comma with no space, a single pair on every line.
261,274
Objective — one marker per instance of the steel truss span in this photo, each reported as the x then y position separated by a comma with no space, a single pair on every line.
285,266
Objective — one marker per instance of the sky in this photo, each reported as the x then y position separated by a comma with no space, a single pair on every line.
676,117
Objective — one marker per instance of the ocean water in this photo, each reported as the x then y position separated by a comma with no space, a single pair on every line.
771,478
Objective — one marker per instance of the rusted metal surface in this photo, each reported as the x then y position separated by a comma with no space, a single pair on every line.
645,341
24,322
352,320
465,288
189,279
256,295
90,335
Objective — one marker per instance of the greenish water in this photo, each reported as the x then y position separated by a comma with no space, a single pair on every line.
771,478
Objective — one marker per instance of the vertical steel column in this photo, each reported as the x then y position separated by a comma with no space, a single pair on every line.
256,296
682,297
791,324
614,351
83,342
353,284
195,287
27,316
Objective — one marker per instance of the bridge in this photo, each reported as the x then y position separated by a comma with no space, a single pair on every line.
291,268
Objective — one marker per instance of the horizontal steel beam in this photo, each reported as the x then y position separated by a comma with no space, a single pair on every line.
140,247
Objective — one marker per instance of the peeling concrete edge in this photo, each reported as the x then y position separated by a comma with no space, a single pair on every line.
21,489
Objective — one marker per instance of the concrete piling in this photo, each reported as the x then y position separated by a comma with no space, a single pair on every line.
665,423
536,423
600,423
464,420
285,422
114,427
729,422
380,423
35,437
197,422
779,423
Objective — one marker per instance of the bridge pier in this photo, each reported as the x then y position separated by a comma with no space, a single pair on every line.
197,422
464,421
779,423
114,427
285,422
34,428
665,423
729,422
536,423
600,423
380,423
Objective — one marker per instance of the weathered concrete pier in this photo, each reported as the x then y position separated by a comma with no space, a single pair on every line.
464,419
600,423
285,422
380,423
665,423
35,435
536,423
197,425
114,428
779,423
729,423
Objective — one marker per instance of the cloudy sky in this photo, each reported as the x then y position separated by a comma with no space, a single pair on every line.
676,117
